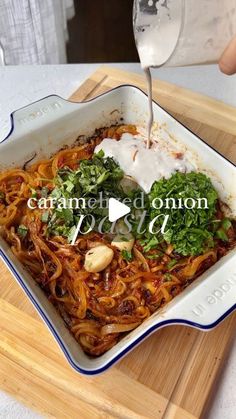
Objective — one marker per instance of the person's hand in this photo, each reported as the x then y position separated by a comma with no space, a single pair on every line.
227,61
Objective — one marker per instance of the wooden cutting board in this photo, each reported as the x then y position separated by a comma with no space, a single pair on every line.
170,375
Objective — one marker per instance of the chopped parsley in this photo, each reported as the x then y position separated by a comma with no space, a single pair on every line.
127,255
167,277
22,231
33,193
45,217
153,256
93,176
188,230
224,227
171,263
220,234
226,224
96,175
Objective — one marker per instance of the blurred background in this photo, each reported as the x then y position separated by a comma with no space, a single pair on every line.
66,31
106,30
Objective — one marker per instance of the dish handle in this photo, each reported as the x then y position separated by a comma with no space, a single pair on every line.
211,298
43,111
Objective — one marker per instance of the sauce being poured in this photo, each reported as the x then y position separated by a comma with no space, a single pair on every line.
154,47
148,75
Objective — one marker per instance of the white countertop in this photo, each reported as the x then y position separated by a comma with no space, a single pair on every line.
22,85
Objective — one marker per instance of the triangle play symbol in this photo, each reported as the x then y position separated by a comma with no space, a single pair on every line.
117,209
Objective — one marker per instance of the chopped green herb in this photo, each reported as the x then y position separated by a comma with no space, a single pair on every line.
220,234
187,229
69,185
33,193
92,177
153,256
22,231
226,224
56,193
98,172
167,277
45,217
172,263
65,214
127,255
150,243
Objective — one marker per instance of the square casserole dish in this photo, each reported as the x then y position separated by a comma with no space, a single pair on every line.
48,124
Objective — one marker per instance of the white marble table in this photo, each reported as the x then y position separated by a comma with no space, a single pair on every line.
22,85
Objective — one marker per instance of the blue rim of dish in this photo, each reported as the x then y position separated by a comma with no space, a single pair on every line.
153,328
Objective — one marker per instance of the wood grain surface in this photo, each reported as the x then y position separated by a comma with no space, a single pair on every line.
170,375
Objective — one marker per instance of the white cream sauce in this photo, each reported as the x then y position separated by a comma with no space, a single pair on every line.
143,164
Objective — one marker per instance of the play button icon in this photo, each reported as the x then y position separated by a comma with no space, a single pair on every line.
117,210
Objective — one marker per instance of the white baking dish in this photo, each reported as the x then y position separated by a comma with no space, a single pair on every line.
43,128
